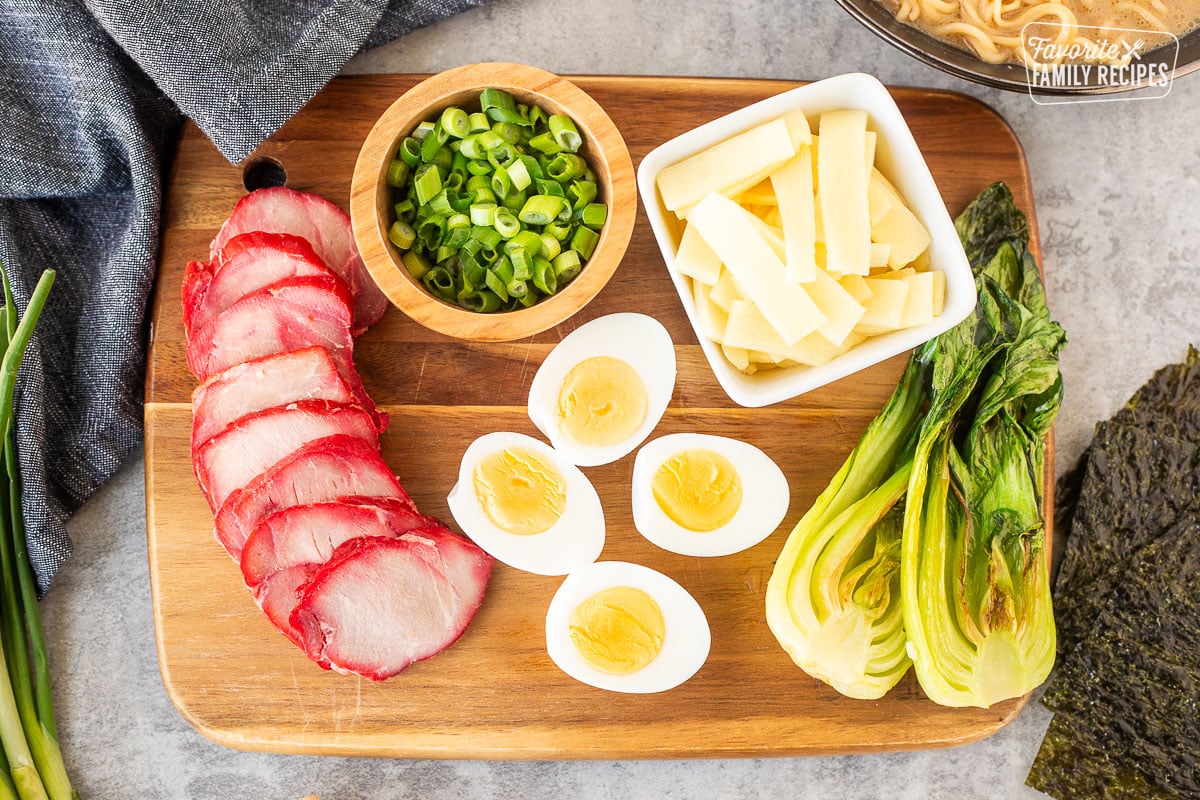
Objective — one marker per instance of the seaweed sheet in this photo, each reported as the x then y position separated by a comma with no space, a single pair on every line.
1126,690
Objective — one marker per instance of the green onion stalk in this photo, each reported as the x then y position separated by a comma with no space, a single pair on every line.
33,763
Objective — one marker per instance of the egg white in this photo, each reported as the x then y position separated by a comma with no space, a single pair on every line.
573,541
686,642
765,497
638,340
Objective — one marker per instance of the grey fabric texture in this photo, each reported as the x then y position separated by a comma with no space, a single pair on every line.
91,98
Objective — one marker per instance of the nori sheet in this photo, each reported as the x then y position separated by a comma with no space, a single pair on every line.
1126,689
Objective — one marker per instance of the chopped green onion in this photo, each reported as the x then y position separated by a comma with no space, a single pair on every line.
443,159
500,106
489,140
483,213
567,265
582,192
505,223
416,264
487,237
426,183
595,215
558,232
401,234
551,247
455,238
423,130
501,182
565,134
454,122
440,203
528,240
544,277
517,287
432,143
454,181
397,173
549,186
496,284
481,301
518,174
410,152
507,131
565,166
493,210
584,241
404,209
481,167
430,230
545,143
501,156
515,201
531,166
472,148
541,209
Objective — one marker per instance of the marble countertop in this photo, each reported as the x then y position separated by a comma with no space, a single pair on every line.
1116,187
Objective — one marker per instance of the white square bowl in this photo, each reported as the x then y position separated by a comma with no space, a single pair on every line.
897,157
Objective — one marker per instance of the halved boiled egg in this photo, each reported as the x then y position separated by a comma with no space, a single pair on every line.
701,495
626,628
604,387
526,505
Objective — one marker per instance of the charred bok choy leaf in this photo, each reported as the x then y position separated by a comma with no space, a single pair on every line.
971,573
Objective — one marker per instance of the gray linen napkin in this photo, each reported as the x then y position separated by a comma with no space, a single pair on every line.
91,95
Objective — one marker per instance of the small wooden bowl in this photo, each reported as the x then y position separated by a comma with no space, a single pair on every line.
370,197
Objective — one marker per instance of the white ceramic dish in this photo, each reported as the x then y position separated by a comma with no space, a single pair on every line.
897,157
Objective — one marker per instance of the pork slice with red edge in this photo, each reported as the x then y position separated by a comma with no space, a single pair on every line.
249,446
325,469
274,380
326,227
287,315
286,548
249,261
380,604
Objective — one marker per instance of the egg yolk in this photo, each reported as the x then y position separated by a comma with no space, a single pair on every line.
698,489
520,491
618,630
602,402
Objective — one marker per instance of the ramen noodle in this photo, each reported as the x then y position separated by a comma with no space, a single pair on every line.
1104,31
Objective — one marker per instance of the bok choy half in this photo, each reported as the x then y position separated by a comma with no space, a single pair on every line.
958,455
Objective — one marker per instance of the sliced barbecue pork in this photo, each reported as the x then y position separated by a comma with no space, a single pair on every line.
380,604
294,313
287,547
325,469
309,533
249,261
325,226
275,380
249,446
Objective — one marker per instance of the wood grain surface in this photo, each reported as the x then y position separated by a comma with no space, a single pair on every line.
495,693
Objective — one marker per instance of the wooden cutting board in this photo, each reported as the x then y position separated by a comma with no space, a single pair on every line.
495,693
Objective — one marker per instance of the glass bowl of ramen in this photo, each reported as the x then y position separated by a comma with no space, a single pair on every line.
1045,47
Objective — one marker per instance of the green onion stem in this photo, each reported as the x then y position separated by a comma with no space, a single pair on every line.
32,750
